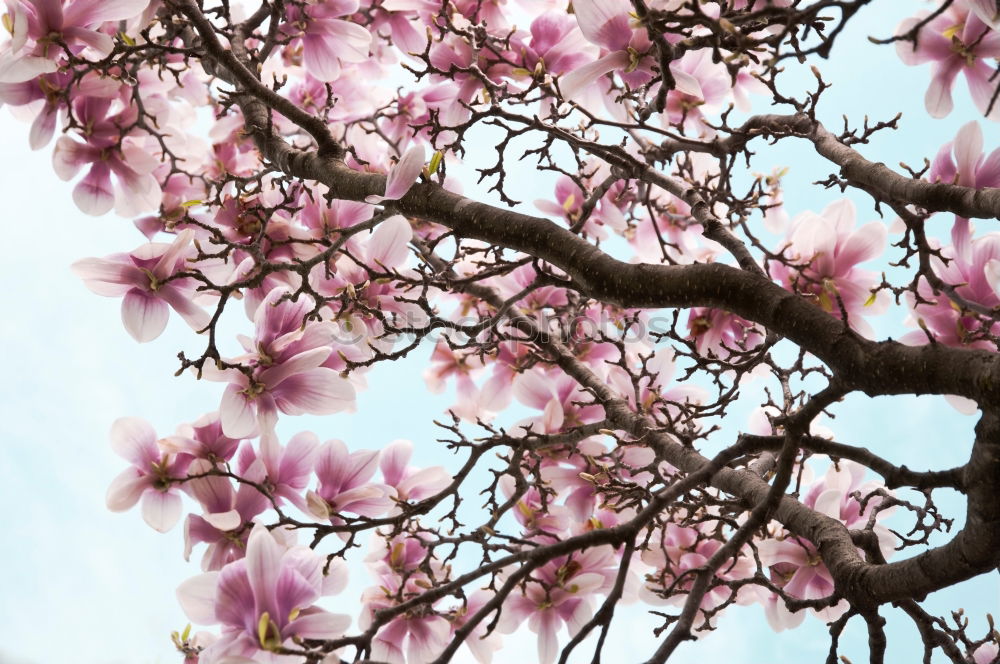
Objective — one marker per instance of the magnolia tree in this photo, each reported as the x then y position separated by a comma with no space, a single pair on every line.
297,169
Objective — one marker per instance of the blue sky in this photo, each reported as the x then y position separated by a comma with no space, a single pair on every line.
88,586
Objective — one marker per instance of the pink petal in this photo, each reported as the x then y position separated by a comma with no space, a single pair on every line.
274,376
263,561
388,244
395,457
299,458
293,591
234,598
686,83
109,278
237,415
938,98
144,315
224,521
126,490
197,598
575,82
317,392
25,68
405,173
604,22
133,439
968,148
320,625
92,12
982,87
353,41
864,244
93,194
161,509
181,302
548,643
319,57
428,637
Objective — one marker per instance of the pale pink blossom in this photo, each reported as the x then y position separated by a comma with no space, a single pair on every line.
411,484
226,521
148,279
266,599
345,484
955,41
825,250
153,477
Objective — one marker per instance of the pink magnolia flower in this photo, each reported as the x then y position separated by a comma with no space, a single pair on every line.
285,372
203,439
129,158
401,565
153,476
411,484
287,469
225,525
345,484
44,21
609,24
266,599
825,249
677,550
721,332
795,563
955,41
969,168
560,399
328,41
561,592
147,278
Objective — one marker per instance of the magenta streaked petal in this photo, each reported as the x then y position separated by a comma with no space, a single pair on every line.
144,315
234,598
298,460
197,598
263,561
317,392
161,509
274,376
93,194
604,22
292,591
181,302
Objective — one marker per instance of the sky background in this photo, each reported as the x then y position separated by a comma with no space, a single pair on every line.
84,585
